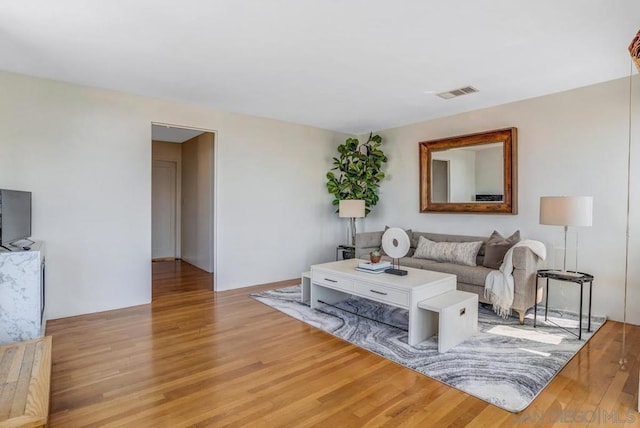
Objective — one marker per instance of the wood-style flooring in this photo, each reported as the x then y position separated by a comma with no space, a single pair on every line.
198,358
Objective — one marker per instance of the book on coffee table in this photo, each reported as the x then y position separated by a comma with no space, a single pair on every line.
371,270
374,266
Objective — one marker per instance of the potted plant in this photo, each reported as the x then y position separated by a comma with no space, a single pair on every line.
375,256
358,171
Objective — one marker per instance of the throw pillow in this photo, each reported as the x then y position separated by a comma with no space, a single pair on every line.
408,232
462,253
497,247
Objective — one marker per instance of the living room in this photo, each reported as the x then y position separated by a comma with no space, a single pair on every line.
83,148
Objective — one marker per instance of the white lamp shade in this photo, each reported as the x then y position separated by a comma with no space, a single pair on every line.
351,208
566,210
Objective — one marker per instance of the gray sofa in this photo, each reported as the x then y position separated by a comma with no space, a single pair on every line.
470,278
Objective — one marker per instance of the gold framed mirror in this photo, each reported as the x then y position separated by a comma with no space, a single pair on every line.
474,173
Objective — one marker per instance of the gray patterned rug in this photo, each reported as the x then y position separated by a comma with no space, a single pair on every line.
505,363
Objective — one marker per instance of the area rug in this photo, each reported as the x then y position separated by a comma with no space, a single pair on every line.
505,363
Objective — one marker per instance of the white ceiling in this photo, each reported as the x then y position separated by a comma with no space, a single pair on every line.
171,134
350,65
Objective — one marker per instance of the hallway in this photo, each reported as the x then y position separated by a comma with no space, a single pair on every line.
177,276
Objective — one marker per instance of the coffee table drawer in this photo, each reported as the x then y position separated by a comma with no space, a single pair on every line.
384,294
331,280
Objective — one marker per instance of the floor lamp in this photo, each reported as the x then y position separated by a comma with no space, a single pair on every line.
634,52
566,211
352,209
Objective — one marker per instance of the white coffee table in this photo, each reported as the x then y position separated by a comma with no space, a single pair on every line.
335,281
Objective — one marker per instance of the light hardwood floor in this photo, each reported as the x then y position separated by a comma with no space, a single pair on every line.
195,358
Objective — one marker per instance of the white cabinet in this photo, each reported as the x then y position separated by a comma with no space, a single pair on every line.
22,295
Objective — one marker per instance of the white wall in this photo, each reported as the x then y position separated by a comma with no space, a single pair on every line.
85,153
197,201
570,143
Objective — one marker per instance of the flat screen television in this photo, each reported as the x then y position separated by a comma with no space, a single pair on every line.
15,216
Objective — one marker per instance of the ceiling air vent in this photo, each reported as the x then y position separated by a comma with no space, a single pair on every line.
457,92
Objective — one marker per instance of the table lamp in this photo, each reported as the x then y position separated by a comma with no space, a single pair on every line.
566,211
351,208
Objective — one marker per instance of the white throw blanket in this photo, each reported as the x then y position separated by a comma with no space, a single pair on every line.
498,287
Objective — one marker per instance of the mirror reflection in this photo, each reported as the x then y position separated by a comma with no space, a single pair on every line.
468,174
474,173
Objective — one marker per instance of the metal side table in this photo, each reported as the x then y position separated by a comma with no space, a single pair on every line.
348,252
579,278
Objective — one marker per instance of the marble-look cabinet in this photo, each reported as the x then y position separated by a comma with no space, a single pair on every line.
22,294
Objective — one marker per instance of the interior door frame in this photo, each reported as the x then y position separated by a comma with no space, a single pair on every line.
213,239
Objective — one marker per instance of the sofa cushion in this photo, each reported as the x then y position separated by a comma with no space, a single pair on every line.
474,275
368,240
417,263
497,246
463,253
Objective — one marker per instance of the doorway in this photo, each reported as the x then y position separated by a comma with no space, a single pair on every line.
183,197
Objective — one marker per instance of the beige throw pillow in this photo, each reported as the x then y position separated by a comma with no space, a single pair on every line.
496,248
462,253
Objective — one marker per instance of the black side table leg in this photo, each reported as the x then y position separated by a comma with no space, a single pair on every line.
590,293
580,314
546,303
535,302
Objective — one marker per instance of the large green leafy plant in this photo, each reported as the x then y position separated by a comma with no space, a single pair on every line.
358,171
